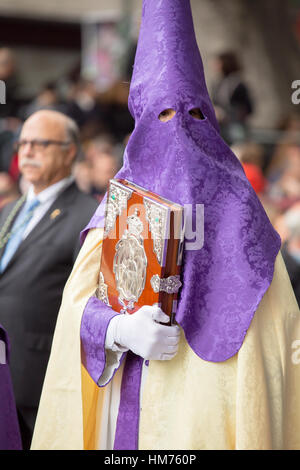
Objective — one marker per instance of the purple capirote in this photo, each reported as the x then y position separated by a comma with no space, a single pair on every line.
10,438
186,160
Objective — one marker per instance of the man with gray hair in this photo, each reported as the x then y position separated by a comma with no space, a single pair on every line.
39,241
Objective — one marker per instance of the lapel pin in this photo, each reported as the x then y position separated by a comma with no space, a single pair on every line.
55,213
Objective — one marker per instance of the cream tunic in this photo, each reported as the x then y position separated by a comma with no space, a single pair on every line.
251,401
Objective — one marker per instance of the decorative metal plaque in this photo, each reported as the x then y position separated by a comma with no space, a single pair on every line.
156,216
171,284
101,292
116,203
130,263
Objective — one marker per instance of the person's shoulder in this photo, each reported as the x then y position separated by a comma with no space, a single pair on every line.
84,199
83,206
7,207
5,210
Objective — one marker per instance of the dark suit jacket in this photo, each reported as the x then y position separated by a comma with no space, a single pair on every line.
31,288
293,268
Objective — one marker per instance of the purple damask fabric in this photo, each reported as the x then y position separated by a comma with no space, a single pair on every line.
94,324
10,438
126,437
186,160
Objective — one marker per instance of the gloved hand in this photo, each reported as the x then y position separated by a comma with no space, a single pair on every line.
143,335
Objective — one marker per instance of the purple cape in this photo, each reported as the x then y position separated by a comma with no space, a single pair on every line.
186,160
10,438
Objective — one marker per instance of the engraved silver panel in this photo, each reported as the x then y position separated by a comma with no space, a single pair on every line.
157,217
171,284
101,292
130,263
117,199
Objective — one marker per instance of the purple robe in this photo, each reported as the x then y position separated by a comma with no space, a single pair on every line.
10,438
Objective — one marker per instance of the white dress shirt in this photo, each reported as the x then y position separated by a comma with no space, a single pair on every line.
46,198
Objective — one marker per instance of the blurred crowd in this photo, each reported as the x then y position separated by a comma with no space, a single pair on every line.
103,119
273,167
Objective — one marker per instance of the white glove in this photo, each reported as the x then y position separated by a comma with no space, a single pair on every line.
143,335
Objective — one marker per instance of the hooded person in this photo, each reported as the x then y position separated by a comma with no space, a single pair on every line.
10,437
225,376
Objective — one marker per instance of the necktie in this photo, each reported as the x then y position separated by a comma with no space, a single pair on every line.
17,232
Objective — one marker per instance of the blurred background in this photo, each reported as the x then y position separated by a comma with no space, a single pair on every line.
77,57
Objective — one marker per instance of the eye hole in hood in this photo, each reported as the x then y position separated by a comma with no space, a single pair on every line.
167,115
196,113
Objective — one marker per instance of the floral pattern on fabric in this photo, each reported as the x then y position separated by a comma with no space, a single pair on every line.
126,437
100,364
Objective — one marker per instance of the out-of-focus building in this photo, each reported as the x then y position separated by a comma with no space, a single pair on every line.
47,38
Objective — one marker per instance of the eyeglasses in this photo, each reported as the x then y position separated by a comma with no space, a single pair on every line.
39,144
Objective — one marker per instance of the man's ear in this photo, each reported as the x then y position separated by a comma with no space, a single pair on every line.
71,154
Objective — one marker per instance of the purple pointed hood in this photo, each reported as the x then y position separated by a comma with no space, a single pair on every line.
186,160
168,70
